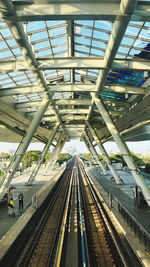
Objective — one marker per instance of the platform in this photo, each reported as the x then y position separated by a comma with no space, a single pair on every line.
19,183
106,186
123,194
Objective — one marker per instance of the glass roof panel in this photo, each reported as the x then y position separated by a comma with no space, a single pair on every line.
105,25
79,38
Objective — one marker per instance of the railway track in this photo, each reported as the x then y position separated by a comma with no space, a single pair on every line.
74,230
101,245
41,250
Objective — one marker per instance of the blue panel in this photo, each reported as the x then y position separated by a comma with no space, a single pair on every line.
126,77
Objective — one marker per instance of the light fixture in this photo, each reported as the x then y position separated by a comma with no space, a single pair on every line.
146,74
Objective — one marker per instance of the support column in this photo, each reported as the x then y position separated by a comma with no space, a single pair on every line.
96,155
24,144
104,153
87,145
35,171
139,178
92,150
56,151
59,151
53,153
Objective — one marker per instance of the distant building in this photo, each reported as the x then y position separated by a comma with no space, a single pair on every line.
11,151
70,150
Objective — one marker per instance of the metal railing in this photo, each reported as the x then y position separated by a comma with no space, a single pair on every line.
136,228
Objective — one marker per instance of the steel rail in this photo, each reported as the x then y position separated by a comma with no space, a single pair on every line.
26,258
91,252
63,225
116,240
81,226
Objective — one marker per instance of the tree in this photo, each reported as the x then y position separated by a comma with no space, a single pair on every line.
5,156
86,156
119,158
30,157
63,157
47,157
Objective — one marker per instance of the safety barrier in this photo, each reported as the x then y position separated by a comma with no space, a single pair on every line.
41,195
135,227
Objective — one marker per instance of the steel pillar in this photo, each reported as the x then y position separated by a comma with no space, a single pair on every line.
91,149
35,171
55,152
96,154
87,145
139,178
104,153
23,145
59,151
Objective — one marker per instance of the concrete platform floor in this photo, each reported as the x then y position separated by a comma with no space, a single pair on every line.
124,194
19,183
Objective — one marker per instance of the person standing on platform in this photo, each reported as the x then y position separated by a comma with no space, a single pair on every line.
20,201
11,207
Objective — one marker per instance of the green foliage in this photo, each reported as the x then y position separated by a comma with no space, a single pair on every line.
48,156
86,156
30,157
5,156
116,158
2,173
63,157
137,160
119,158
146,159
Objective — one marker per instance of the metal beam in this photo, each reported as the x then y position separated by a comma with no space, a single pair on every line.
53,152
36,169
62,111
88,148
94,152
74,63
104,153
20,132
115,39
17,30
74,111
122,89
59,146
66,102
87,102
139,178
71,118
66,117
23,146
56,10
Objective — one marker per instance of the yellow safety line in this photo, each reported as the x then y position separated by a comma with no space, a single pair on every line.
11,235
63,228
6,241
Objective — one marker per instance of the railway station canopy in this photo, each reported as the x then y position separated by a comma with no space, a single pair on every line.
73,53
